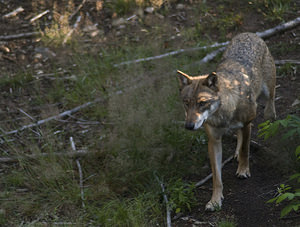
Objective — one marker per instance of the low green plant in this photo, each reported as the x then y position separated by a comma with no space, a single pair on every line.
182,196
226,224
121,7
143,210
287,69
285,192
274,9
56,34
269,129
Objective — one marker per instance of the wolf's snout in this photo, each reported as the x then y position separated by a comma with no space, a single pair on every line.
189,125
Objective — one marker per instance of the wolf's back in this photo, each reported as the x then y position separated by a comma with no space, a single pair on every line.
247,48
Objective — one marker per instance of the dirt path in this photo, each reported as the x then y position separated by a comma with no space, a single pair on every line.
245,199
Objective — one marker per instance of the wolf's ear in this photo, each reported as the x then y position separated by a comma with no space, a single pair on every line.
184,79
211,81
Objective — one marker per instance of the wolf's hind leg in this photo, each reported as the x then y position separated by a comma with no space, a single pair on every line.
239,135
243,170
268,85
269,111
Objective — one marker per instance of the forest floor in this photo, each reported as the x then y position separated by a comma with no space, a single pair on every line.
183,24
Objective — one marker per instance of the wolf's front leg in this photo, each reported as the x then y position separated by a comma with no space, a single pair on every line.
215,155
243,157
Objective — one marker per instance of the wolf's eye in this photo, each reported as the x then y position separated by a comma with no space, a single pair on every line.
202,103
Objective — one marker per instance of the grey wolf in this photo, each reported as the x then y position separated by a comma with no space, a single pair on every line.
227,100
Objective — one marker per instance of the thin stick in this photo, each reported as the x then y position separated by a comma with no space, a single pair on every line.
80,173
72,30
20,36
26,114
13,13
39,16
78,153
166,201
210,175
61,115
77,10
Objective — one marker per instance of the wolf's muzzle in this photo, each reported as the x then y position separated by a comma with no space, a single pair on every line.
189,125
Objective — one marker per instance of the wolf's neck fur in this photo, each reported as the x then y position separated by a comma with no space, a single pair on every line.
229,96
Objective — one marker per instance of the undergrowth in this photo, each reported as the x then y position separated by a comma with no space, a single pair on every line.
291,131
132,133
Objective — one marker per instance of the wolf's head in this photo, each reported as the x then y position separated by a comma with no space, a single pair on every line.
200,98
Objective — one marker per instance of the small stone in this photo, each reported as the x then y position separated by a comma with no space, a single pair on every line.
296,102
38,56
90,28
118,22
45,52
180,7
122,26
2,212
4,49
149,10
38,66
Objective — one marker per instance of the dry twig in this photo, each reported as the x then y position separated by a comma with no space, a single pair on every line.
20,36
72,30
13,13
210,175
78,153
61,115
77,10
39,16
166,201
80,173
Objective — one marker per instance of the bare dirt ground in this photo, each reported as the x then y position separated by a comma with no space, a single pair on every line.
245,200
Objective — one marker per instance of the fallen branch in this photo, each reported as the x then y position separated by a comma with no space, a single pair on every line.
196,222
77,10
170,54
72,30
166,201
212,55
210,175
80,173
282,62
77,154
61,115
20,36
209,56
39,16
264,34
279,28
13,13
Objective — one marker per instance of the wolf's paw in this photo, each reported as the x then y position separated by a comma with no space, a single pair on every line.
213,206
243,173
236,156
